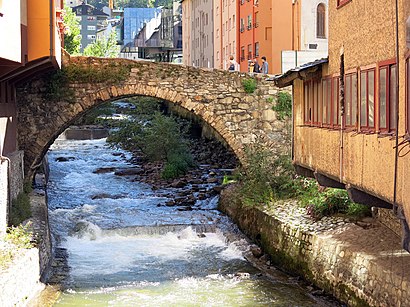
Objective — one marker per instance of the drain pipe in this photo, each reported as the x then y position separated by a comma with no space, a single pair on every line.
342,111
396,156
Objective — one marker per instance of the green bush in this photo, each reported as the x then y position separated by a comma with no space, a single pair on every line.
20,209
283,106
264,177
333,201
249,85
160,139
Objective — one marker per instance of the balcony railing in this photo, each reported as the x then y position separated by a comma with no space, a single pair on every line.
242,58
249,26
256,24
242,29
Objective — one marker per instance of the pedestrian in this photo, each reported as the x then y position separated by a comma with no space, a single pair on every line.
265,66
232,64
251,66
256,67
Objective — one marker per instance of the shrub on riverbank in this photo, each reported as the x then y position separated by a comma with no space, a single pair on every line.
264,178
160,138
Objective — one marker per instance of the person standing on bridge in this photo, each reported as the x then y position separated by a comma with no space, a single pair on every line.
265,66
232,64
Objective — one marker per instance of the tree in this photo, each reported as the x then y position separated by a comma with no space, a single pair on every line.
72,38
103,47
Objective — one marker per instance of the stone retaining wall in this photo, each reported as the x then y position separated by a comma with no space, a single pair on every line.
362,266
23,279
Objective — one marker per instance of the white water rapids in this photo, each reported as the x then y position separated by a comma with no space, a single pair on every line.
128,249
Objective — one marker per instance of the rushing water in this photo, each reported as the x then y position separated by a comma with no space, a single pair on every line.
128,249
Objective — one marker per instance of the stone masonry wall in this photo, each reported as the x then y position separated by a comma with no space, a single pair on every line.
217,97
23,279
362,266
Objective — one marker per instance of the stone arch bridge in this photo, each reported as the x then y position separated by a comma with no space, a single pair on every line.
48,105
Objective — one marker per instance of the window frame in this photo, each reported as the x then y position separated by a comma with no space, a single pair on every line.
321,21
335,101
352,125
367,70
387,65
327,101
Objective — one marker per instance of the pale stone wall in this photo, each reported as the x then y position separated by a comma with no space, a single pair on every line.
359,265
21,281
216,96
4,197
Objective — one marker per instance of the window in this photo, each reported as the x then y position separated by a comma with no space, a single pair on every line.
256,49
242,53
367,86
91,28
242,25
335,101
233,21
250,52
90,36
326,101
249,22
321,21
351,99
256,20
408,95
313,102
387,98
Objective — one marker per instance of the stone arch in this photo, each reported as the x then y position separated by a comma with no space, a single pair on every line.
215,96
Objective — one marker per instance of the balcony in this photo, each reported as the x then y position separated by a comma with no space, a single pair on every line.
256,24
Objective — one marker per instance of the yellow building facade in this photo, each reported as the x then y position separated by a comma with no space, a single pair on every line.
345,110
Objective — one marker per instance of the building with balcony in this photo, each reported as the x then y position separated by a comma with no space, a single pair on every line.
352,112
31,36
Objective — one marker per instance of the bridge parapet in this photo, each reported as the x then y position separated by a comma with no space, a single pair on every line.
216,96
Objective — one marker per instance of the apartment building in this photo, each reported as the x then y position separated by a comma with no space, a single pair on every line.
226,32
91,20
198,33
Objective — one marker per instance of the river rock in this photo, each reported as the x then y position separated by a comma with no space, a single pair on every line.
212,180
256,251
64,159
217,188
129,171
178,184
105,195
184,208
103,170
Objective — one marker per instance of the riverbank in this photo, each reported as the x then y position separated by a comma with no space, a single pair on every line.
360,263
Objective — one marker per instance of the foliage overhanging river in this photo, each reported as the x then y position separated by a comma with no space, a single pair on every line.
127,248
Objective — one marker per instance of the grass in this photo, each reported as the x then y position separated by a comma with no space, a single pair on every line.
20,209
249,85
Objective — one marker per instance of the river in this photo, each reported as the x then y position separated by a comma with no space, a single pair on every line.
125,247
